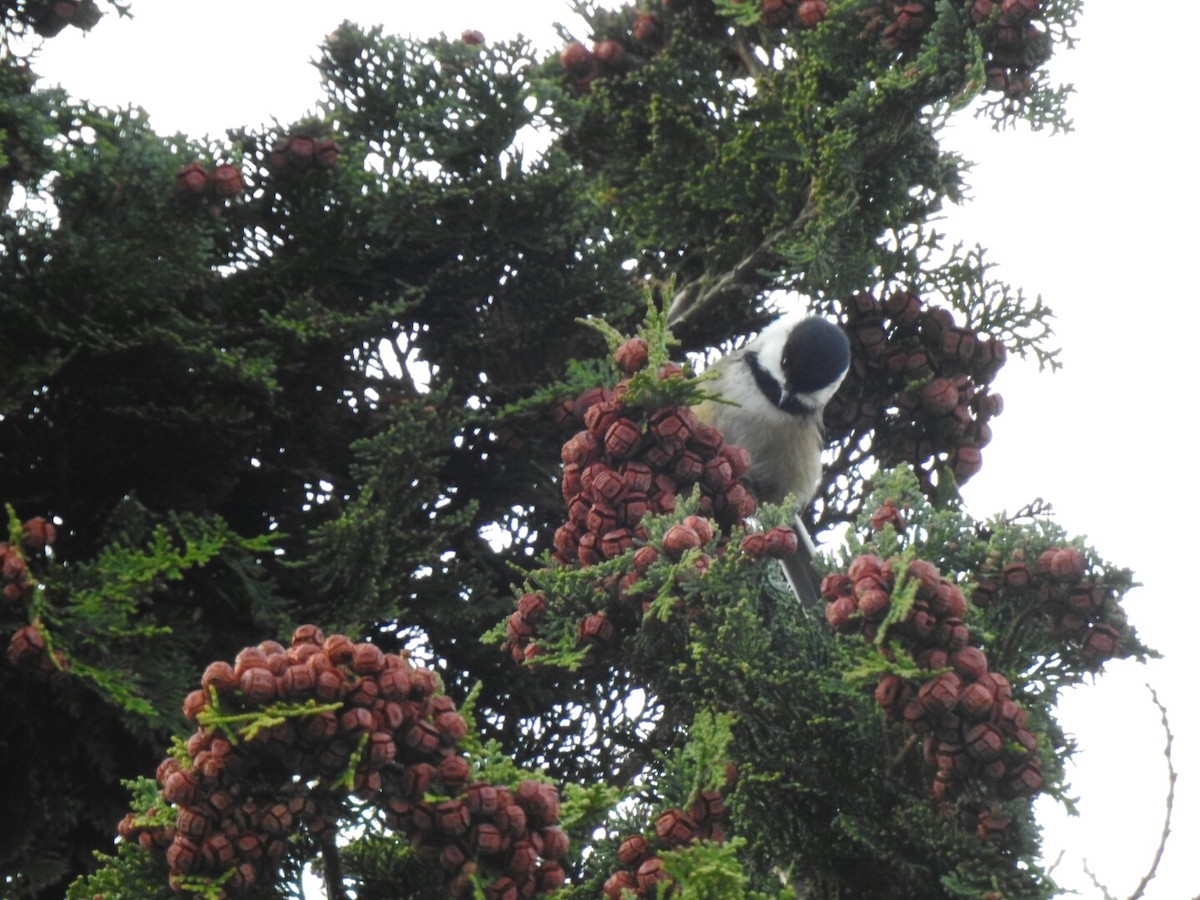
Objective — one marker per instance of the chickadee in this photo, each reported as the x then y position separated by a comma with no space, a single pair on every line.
780,383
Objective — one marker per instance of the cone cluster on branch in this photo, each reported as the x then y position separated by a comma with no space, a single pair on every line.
382,730
1016,44
627,462
195,180
900,25
977,744
51,17
921,381
798,13
1076,603
14,573
584,65
641,873
622,53
599,631
27,647
301,152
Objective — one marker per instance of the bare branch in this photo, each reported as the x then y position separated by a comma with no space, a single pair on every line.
741,282
1057,862
1171,777
1166,829
1096,882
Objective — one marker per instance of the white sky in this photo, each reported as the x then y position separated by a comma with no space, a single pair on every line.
1100,222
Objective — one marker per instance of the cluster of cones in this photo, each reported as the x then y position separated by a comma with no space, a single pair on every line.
293,154
642,873
1015,43
336,718
27,646
920,381
628,462
196,180
976,742
797,13
301,152
1074,601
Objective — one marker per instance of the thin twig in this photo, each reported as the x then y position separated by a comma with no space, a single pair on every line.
1096,882
1057,862
1171,776
903,752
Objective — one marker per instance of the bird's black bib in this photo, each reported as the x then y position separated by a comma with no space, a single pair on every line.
773,390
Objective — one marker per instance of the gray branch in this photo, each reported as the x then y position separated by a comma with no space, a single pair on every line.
1171,777
1166,829
741,282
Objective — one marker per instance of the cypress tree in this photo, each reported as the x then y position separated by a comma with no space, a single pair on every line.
342,469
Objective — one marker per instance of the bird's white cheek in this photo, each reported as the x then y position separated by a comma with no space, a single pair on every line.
817,399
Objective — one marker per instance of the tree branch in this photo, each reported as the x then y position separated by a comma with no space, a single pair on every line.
904,751
1096,882
1057,862
744,280
747,57
334,888
1171,777
741,282
1166,829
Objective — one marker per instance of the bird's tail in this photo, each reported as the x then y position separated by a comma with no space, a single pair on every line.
798,568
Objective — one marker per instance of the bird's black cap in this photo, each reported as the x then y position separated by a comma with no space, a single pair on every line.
815,355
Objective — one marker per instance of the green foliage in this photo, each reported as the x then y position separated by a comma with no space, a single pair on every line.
131,869
586,806
364,564
387,868
246,726
990,305
701,763
95,611
707,871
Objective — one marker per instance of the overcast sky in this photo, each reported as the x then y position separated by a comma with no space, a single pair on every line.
1100,222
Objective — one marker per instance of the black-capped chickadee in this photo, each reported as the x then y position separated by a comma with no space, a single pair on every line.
777,387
